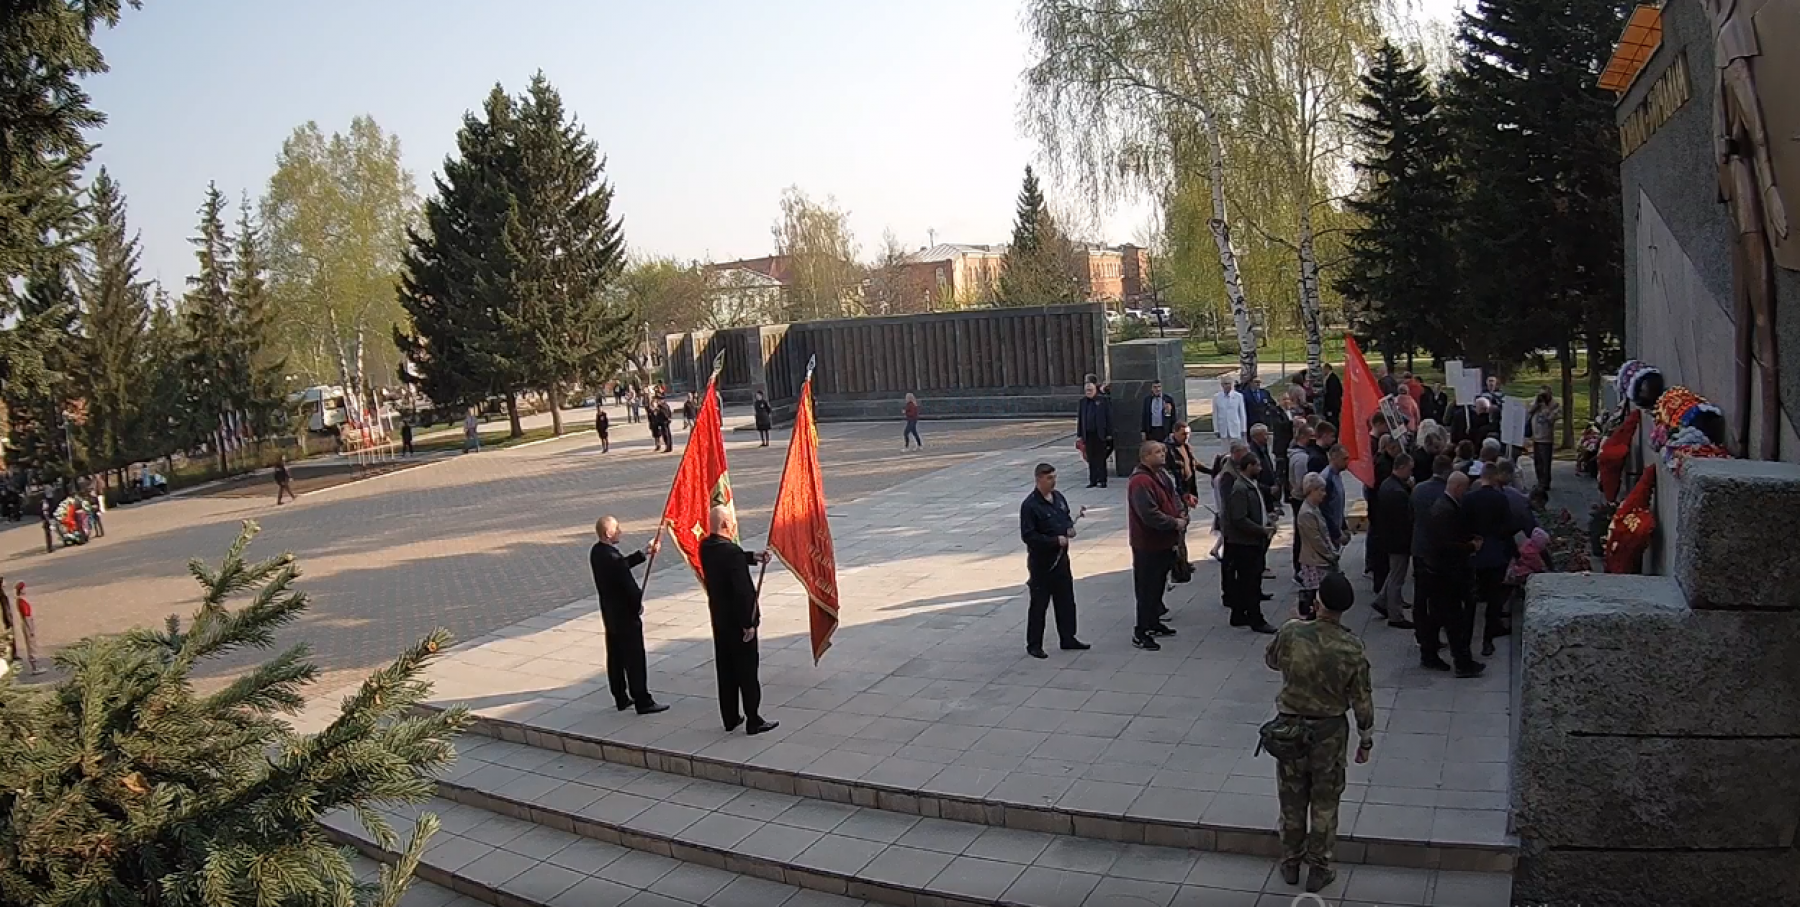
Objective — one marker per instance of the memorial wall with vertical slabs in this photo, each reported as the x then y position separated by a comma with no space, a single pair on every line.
989,363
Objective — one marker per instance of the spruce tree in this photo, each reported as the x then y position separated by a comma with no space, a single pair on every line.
156,431
216,372
115,315
456,351
253,321
1536,155
39,433
1041,264
123,786
565,250
1400,268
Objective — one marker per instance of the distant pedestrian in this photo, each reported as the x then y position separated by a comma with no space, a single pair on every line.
25,626
1543,415
1446,578
47,506
621,613
406,441
600,428
690,410
1046,526
736,615
471,432
1094,428
911,434
1230,415
1244,526
1324,673
1390,538
1159,413
632,404
284,482
665,420
765,417
1155,525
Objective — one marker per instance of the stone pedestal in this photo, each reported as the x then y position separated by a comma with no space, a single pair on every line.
1131,367
1658,751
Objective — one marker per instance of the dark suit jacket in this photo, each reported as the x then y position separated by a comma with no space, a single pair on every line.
618,588
1447,529
1169,422
730,593
1094,418
1392,530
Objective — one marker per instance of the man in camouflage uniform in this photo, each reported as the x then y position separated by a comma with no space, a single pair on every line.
1325,672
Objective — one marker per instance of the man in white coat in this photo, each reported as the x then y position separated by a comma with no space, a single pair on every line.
1229,420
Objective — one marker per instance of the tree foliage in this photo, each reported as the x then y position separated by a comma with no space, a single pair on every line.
115,316
509,284
1042,267
1400,277
814,235
123,786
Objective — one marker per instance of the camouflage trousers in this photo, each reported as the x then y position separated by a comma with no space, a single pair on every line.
1309,789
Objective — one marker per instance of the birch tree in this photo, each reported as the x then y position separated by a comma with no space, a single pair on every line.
1124,95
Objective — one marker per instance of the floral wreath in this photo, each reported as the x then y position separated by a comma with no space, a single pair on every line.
1683,427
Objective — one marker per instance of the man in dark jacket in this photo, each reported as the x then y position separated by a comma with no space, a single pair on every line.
1093,425
621,611
1154,523
1427,624
731,598
1390,538
1448,576
1246,530
1046,526
1331,401
1492,517
1159,413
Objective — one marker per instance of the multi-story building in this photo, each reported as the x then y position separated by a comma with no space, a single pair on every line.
954,275
1116,274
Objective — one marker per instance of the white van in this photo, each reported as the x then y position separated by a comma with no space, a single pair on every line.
324,407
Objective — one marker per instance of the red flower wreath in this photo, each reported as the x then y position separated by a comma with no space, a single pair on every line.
1631,528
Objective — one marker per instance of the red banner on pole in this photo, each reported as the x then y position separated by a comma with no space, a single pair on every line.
1362,402
702,482
799,532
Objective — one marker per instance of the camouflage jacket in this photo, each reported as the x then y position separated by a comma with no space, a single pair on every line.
1324,671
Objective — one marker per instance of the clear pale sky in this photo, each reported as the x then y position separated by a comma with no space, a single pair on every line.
706,109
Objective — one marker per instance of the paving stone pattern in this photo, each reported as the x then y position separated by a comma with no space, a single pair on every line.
928,688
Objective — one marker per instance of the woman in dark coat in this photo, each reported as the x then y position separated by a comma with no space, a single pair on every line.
765,417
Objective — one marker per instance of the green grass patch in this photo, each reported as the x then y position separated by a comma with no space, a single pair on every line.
496,441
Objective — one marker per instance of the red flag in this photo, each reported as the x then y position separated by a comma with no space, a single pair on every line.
1362,401
701,482
799,532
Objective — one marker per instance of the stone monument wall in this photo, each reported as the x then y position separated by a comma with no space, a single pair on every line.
1657,758
982,363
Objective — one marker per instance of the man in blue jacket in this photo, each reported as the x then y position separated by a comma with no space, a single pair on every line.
1046,526
1093,425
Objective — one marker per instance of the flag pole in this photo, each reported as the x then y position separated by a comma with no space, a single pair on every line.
662,524
805,387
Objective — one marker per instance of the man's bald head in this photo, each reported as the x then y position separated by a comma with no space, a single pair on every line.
722,521
1457,485
607,528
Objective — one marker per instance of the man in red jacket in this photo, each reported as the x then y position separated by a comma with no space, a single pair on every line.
1155,523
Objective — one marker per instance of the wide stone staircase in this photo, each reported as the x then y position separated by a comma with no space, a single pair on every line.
544,818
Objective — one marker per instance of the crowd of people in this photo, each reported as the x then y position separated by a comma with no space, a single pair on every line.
1446,510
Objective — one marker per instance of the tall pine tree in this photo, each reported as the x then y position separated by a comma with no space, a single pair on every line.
215,372
1536,151
158,430
457,353
253,320
1041,265
1401,266
40,431
115,314
565,250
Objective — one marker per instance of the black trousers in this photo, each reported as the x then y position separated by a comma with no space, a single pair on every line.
1495,595
667,438
1150,575
1378,566
1157,433
1543,453
625,663
1448,605
1050,584
1096,458
736,662
1244,567
1296,534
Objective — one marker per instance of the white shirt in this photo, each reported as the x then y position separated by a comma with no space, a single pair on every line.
1229,419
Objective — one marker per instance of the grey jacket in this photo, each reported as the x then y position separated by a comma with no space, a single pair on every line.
1245,520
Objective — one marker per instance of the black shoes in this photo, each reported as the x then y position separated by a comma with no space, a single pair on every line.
625,705
651,708
1161,630
1317,877
1487,648
761,727
1290,873
1400,623
1472,669
1268,596
1037,651
1075,645
732,725
1433,663
1143,641
1264,627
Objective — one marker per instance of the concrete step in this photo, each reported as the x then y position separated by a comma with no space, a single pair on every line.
419,893
1170,822
480,857
881,855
